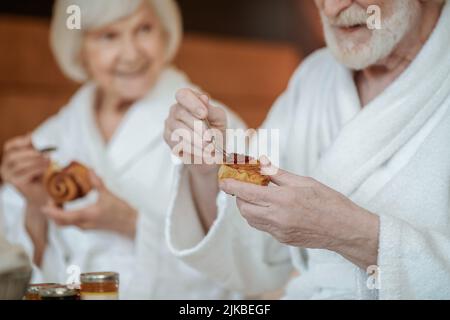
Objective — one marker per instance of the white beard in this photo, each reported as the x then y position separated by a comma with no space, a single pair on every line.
382,42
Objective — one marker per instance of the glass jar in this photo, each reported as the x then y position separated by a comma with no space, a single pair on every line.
58,293
32,292
99,286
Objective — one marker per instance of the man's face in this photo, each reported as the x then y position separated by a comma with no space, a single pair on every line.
347,33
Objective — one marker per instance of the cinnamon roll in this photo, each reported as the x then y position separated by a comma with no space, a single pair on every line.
67,184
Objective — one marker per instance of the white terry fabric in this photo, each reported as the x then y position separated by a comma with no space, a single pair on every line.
135,165
392,157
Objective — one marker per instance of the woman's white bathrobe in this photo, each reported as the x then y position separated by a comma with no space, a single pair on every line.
136,165
392,157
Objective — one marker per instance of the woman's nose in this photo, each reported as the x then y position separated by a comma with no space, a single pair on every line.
332,8
129,50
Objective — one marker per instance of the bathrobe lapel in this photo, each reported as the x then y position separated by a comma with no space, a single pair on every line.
355,144
384,126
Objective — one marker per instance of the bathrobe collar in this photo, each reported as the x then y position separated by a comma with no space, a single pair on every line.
386,124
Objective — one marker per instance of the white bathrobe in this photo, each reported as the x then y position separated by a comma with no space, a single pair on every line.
137,166
391,157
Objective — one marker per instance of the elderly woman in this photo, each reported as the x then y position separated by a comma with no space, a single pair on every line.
114,125
364,130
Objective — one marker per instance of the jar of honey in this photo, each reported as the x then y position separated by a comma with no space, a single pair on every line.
32,292
58,293
99,286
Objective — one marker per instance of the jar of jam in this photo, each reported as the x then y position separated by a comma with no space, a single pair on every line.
32,292
58,293
99,286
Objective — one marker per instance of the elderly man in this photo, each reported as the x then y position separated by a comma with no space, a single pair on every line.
364,131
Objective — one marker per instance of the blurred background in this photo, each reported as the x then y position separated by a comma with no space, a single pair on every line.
240,52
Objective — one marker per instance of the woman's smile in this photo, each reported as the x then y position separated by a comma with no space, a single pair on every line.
133,72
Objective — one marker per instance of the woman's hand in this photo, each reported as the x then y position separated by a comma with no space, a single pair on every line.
108,213
300,211
23,167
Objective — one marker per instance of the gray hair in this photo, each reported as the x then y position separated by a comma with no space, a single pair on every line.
66,43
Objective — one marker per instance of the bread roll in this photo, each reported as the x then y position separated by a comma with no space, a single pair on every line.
67,184
243,168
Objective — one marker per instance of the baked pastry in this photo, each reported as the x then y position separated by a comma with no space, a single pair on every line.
67,184
243,168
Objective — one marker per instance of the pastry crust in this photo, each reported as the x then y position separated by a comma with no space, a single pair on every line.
67,184
247,170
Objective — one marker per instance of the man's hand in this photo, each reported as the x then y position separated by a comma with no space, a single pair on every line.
300,211
187,121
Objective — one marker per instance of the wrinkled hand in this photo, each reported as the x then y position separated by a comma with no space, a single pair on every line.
186,120
108,213
300,211
23,167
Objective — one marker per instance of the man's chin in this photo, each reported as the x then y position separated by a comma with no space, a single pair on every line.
358,52
355,58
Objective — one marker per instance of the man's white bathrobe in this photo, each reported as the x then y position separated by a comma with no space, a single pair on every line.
391,157
135,165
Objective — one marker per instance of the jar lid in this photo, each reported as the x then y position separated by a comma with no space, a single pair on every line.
96,277
35,287
57,292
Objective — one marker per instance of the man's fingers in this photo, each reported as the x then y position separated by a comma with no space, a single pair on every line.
281,177
216,115
249,192
250,210
186,128
204,98
192,102
181,114
192,109
198,104
177,129
187,139
193,154
257,217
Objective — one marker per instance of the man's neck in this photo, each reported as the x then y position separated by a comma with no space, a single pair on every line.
375,79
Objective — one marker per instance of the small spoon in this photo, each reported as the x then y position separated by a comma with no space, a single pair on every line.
48,150
213,140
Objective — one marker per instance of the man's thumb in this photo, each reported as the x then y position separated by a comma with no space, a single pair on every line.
276,175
